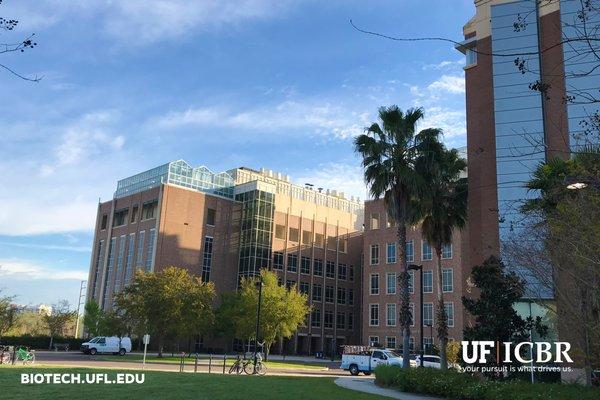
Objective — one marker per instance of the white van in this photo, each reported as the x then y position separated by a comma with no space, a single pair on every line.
107,344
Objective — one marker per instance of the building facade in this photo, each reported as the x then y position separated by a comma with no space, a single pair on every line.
230,225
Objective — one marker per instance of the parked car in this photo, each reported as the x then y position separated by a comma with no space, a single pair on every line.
430,361
367,360
107,344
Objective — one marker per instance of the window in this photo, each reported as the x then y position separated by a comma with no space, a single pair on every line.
292,262
294,235
280,232
104,222
315,318
391,253
449,309
374,315
350,321
411,309
375,221
120,260
305,265
373,340
351,273
319,239
427,281
471,56
328,323
318,267
342,271
330,269
306,237
340,321
317,292
350,297
207,258
149,209
211,217
447,280
411,343
343,245
391,314
150,250
374,284
329,294
129,262
120,217
391,222
426,253
304,288
390,342
447,251
410,251
427,314
341,295
411,281
134,212
374,254
289,283
391,283
140,250
427,344
278,260
109,268
331,243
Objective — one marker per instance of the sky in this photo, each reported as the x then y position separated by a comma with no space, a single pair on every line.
131,84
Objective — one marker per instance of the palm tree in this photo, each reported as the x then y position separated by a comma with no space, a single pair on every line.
394,157
444,211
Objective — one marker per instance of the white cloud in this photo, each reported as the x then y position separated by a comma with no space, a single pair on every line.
82,249
446,65
135,22
322,118
448,83
346,178
452,122
25,270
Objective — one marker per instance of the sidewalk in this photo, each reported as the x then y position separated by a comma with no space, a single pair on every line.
367,385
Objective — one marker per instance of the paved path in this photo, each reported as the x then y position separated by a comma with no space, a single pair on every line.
367,385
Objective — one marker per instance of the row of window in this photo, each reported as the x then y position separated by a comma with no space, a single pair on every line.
122,217
343,271
392,282
390,342
293,235
392,311
391,258
342,320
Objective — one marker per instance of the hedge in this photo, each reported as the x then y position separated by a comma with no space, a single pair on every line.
462,386
39,342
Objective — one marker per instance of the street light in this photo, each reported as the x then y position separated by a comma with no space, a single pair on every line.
260,285
419,268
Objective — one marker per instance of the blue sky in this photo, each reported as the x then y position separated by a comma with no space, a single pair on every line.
131,84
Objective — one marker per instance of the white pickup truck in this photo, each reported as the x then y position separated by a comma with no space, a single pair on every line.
367,360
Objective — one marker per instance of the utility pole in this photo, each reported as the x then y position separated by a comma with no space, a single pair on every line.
260,286
81,288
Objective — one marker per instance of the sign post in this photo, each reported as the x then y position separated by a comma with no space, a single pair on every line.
145,340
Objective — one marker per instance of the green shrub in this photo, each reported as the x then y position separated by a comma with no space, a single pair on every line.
463,386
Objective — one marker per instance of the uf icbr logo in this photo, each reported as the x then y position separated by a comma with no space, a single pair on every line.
543,351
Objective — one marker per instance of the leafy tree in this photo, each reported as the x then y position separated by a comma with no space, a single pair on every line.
282,310
495,317
445,209
169,303
92,319
57,321
8,314
396,160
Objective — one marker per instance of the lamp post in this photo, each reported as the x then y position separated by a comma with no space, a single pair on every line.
259,284
415,267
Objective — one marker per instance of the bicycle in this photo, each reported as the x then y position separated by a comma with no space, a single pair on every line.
238,365
256,365
6,355
25,355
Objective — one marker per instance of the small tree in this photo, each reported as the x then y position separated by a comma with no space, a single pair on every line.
57,321
495,317
8,314
92,319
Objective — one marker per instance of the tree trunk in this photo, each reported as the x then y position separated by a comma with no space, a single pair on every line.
404,294
159,342
51,340
442,327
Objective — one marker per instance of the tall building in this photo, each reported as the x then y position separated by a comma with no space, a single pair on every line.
228,225
512,47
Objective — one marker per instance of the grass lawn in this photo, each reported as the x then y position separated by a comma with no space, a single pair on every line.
174,386
217,361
